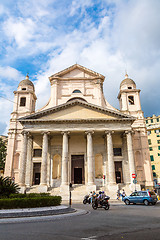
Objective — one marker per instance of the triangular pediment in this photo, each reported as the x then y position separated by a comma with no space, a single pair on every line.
77,110
77,71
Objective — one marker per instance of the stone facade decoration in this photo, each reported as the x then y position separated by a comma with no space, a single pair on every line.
78,137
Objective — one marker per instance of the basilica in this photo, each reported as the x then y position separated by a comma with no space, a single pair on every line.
78,137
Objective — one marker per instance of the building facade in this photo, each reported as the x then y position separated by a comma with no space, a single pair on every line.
153,132
78,137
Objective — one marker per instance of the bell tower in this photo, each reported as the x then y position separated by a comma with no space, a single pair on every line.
129,98
24,99
24,104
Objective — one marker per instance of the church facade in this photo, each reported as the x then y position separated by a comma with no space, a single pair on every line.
78,137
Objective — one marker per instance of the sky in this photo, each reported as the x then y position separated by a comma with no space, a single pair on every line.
111,37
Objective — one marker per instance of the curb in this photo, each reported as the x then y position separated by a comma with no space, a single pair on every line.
35,212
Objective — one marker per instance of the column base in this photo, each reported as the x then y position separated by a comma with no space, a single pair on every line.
91,188
135,187
42,188
111,190
22,189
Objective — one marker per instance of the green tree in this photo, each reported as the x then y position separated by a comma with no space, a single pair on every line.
3,153
7,187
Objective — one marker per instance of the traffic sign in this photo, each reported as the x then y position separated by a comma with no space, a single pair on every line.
133,175
134,181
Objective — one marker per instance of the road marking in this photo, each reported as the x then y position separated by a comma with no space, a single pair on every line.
92,237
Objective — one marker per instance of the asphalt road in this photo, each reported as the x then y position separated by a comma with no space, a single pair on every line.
119,222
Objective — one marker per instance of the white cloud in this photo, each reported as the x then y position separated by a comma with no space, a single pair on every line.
20,30
119,35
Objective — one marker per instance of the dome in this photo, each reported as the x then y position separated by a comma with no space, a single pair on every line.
26,82
127,81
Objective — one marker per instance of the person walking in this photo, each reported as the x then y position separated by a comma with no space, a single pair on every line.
123,194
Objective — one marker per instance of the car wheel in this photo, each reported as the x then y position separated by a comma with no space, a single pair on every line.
153,203
146,202
127,202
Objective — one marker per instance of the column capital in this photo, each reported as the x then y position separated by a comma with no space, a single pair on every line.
89,132
129,132
109,132
65,132
45,132
24,132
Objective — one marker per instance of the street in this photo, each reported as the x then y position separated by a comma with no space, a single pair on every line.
119,222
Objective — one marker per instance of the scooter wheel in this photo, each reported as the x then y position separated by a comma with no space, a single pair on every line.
94,206
84,201
106,207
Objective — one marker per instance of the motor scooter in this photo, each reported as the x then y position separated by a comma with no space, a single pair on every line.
98,203
87,199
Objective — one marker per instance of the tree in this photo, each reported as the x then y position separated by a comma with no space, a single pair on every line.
7,187
3,153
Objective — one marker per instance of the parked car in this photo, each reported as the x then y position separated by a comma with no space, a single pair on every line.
145,197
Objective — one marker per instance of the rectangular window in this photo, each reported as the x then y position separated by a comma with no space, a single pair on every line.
153,167
158,135
157,119
158,154
37,152
154,174
131,100
156,131
158,141
146,121
117,151
148,133
150,149
158,147
152,158
151,120
149,141
22,102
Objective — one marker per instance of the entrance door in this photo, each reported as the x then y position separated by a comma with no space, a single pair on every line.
118,177
118,172
37,178
36,173
77,169
78,175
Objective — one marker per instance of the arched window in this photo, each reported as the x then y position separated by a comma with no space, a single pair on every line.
56,170
76,98
98,166
76,91
22,102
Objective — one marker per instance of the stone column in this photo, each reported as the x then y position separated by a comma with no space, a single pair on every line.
23,162
65,160
130,154
29,161
90,158
111,167
44,160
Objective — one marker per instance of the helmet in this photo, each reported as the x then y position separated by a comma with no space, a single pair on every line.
100,192
103,192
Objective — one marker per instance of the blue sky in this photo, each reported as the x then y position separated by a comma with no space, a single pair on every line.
42,37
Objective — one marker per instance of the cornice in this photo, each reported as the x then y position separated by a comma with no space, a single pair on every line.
75,103
33,121
71,68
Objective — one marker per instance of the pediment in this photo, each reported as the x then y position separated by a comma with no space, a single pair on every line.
77,71
77,110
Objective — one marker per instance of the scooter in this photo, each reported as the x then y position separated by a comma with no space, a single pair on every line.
87,199
101,203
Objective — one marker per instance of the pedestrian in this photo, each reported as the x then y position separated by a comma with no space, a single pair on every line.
123,194
118,194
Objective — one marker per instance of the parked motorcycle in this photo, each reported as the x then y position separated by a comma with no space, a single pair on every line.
97,203
87,199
